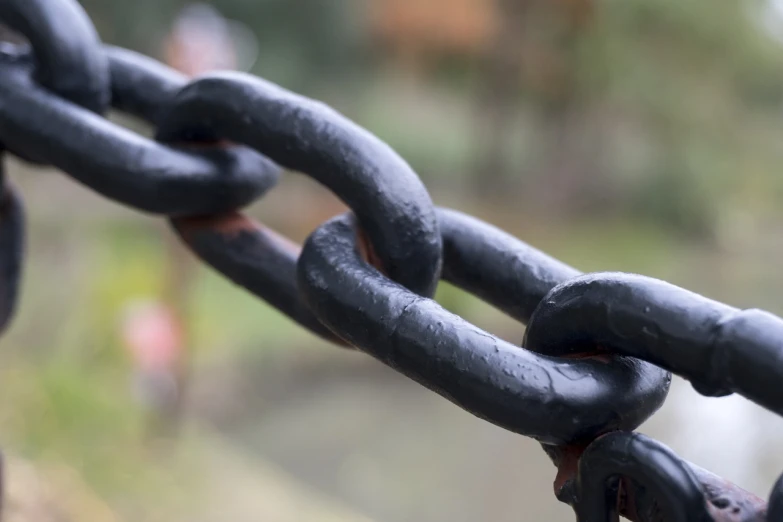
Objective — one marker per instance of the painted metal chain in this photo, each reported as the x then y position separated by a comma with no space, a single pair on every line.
598,348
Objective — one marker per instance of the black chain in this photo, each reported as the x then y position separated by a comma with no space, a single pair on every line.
598,348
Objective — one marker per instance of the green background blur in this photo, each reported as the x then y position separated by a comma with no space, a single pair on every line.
632,135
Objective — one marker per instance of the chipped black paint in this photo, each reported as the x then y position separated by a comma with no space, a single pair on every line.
669,483
726,501
634,476
720,349
300,134
554,401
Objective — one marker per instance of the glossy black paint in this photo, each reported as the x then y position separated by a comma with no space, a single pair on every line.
119,164
669,482
249,254
140,85
720,349
497,267
553,400
478,257
301,134
69,59
11,249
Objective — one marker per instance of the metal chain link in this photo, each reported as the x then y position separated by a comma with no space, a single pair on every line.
598,348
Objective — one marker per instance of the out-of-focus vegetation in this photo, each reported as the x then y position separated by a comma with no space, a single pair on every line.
616,134
667,111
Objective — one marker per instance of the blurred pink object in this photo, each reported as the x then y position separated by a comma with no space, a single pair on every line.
153,335
203,40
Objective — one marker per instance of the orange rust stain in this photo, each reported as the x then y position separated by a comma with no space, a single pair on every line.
229,223
568,465
367,251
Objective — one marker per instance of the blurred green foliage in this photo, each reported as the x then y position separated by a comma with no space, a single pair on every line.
674,106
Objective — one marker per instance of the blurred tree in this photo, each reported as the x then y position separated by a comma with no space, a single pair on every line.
532,51
699,78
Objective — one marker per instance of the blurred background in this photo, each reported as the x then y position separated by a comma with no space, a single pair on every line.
624,135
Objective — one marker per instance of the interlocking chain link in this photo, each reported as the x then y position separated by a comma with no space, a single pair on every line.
598,350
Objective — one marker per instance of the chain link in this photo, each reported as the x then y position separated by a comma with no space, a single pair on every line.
598,350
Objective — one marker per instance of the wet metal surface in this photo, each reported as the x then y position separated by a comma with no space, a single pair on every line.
119,164
300,134
720,349
554,401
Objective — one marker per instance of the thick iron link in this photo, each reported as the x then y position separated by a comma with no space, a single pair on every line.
229,241
598,346
478,257
68,57
141,86
121,165
69,62
497,267
636,457
637,498
720,349
300,134
555,401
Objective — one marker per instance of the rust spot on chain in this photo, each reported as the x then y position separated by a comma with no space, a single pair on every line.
367,251
232,224
229,224
567,465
